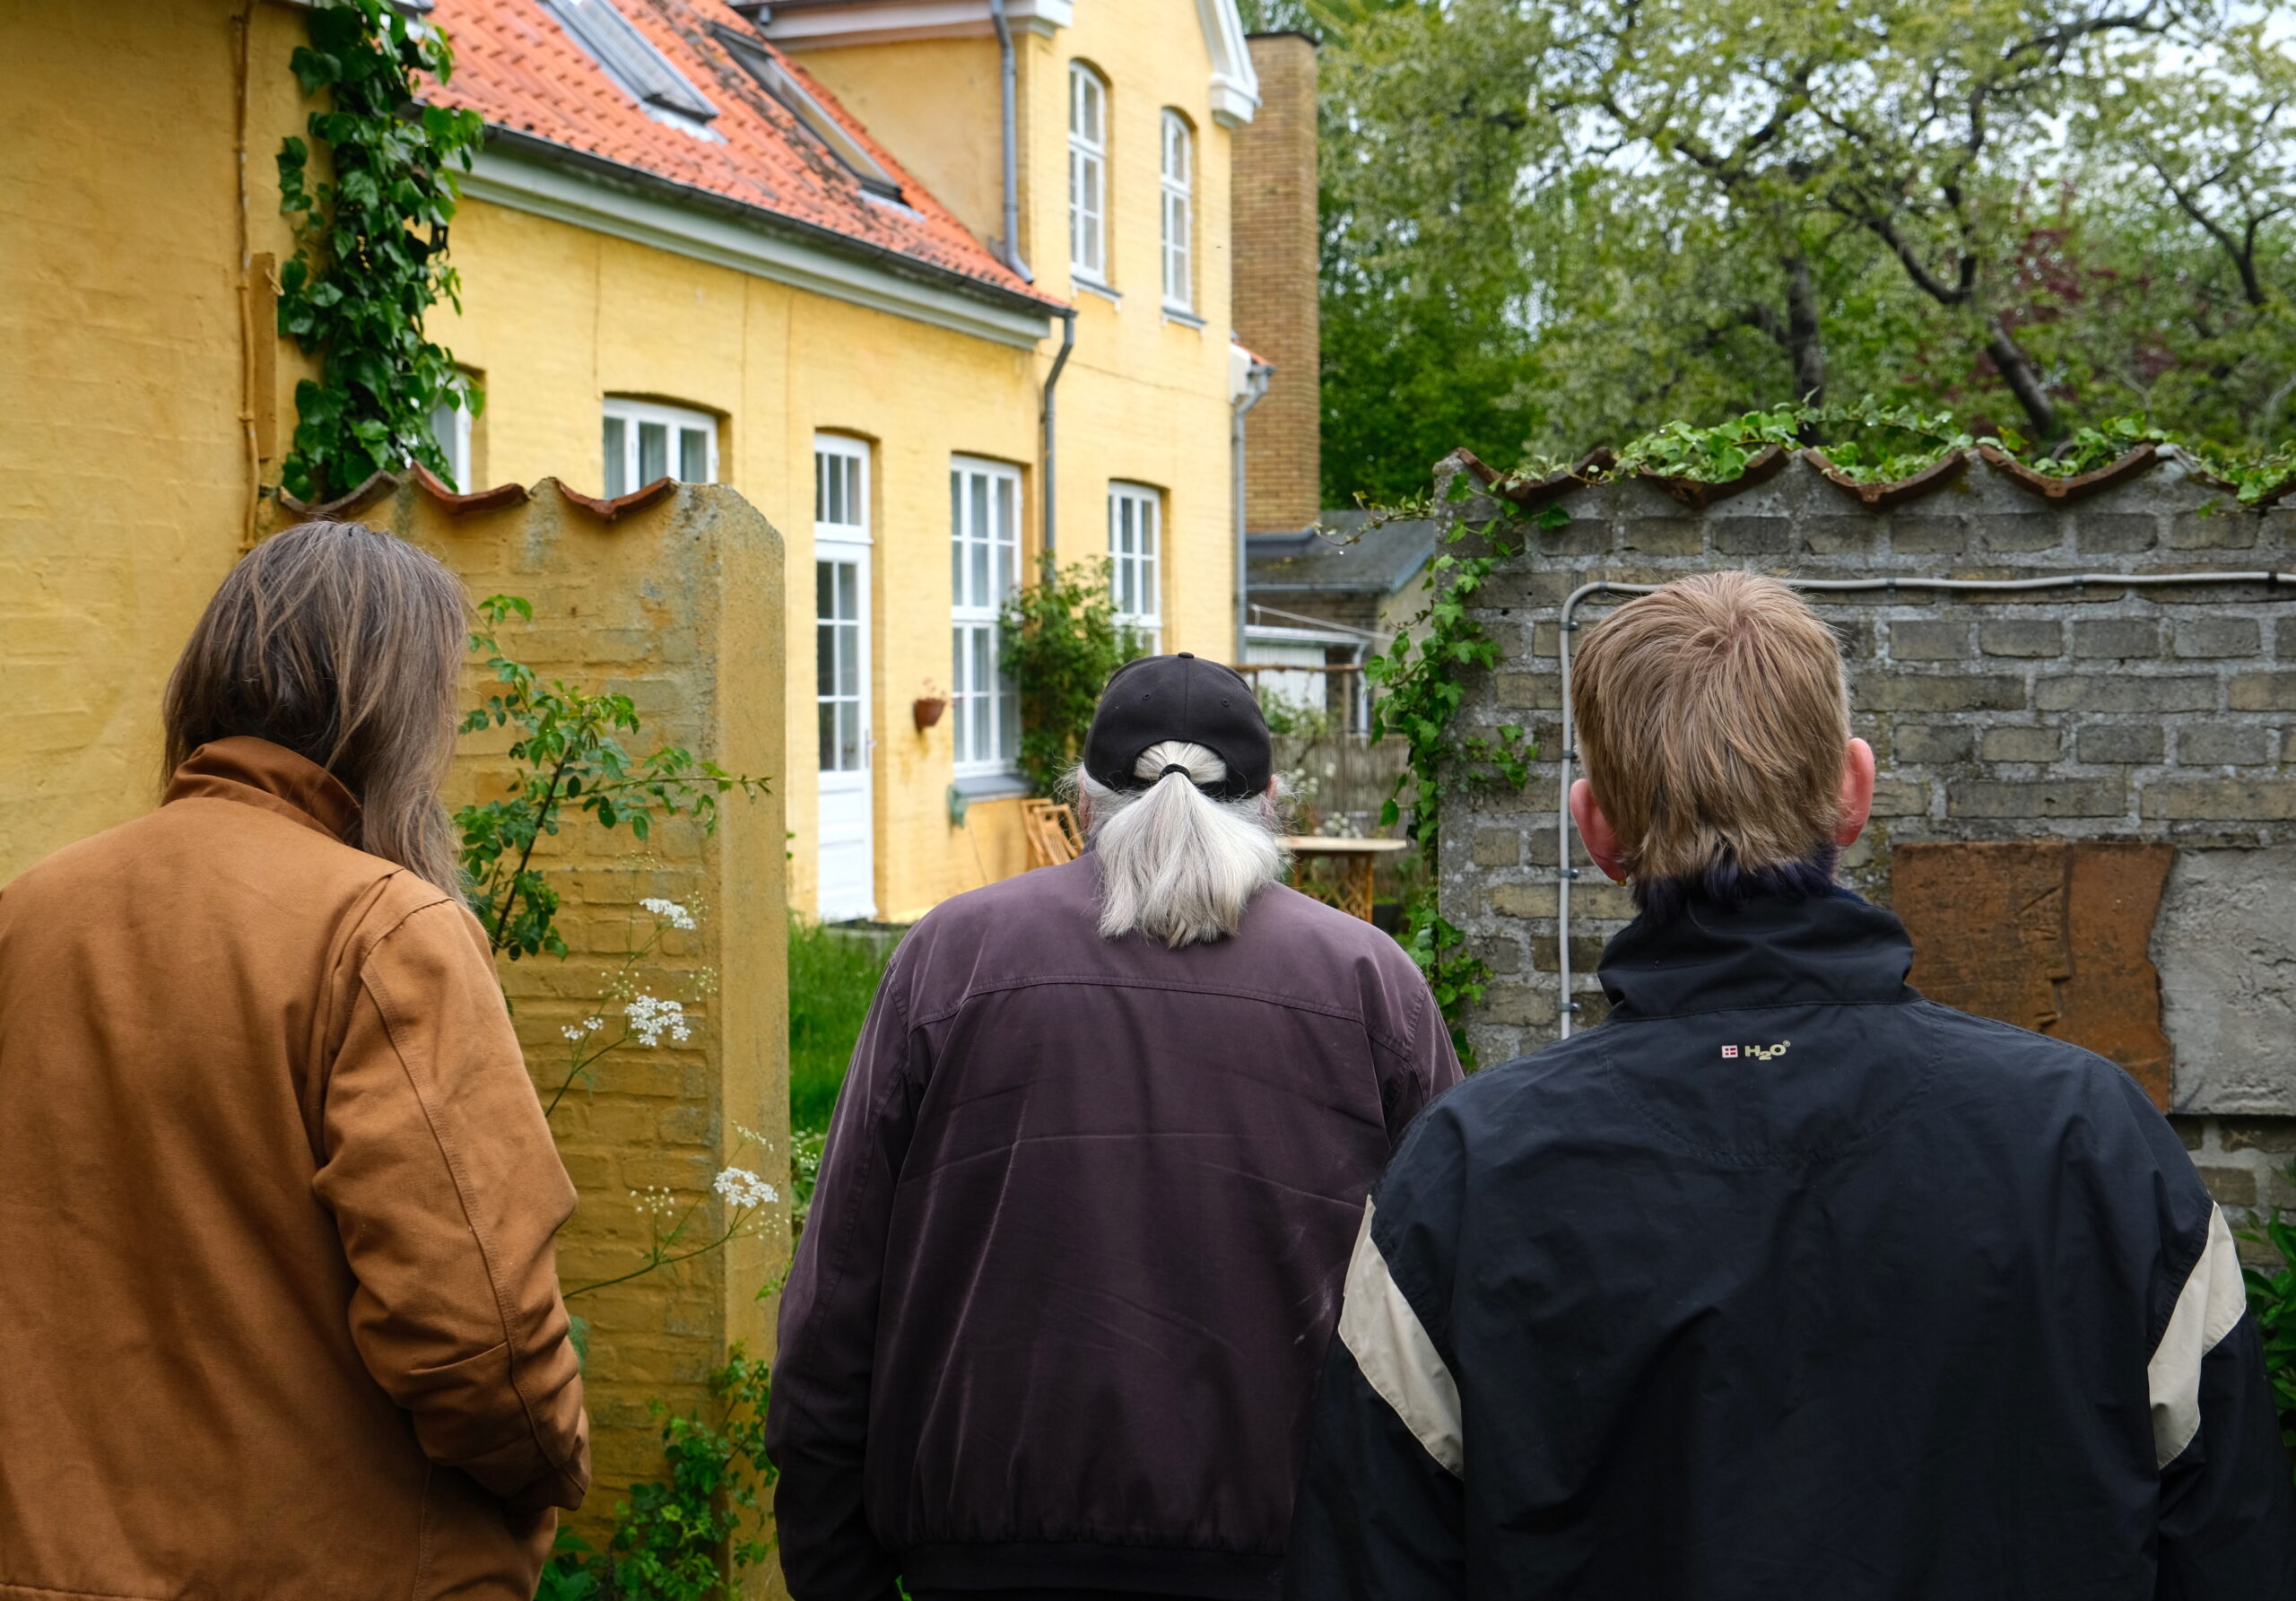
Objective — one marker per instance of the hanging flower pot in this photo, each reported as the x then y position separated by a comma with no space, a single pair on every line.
926,711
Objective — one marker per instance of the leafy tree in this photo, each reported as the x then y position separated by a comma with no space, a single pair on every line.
2052,210
1426,135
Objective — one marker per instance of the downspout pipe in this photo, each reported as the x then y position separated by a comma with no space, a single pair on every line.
1255,381
1008,78
1067,315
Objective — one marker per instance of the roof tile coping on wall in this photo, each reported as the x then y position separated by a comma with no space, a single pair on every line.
1531,494
381,485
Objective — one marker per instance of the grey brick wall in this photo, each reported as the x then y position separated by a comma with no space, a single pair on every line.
2104,713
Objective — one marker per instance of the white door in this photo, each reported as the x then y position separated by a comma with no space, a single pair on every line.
848,871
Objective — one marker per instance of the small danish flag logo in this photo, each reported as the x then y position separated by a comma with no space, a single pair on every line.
1729,1051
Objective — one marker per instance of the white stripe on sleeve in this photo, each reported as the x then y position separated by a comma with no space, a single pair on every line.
1397,1359
2210,1305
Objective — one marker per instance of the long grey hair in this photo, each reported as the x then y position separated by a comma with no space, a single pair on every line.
1175,863
343,644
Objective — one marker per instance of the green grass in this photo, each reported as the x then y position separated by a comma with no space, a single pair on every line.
832,977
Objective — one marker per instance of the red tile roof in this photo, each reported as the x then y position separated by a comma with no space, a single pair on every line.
515,66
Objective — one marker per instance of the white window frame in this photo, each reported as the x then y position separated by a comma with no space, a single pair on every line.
848,459
1178,189
627,475
841,522
1136,560
450,429
1088,173
985,569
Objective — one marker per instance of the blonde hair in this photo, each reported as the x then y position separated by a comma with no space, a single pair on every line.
1712,720
1175,863
344,644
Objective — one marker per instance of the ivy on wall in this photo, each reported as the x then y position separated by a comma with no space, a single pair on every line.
1419,688
371,245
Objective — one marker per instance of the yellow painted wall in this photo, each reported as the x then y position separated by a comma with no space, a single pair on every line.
557,317
934,105
120,297
124,442
1143,398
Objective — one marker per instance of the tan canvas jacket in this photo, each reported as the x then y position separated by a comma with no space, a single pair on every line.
278,1313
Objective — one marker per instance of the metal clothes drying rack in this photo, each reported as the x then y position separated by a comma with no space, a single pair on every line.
1569,873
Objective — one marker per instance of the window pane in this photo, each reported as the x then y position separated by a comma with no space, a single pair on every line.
824,591
848,737
447,435
828,741
848,658
983,676
956,539
693,456
852,475
979,594
617,461
824,659
1008,537
848,591
653,451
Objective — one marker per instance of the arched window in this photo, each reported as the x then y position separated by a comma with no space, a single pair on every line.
1179,212
645,441
1088,173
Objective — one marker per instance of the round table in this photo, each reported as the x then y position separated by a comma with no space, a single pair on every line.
1358,856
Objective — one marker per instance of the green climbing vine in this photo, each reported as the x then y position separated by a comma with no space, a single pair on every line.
371,245
1420,686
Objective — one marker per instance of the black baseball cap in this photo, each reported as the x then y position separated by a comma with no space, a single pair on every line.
1159,697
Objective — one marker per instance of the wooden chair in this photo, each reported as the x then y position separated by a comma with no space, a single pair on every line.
1052,833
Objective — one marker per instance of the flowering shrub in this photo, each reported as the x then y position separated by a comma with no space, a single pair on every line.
571,759
692,1539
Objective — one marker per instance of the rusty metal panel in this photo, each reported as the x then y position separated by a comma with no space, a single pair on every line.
2050,935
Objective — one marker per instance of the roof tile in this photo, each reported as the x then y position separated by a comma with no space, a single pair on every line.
517,69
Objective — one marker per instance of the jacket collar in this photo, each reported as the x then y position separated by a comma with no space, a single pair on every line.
256,772
1768,950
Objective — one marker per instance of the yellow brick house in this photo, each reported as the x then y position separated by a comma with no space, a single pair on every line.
712,241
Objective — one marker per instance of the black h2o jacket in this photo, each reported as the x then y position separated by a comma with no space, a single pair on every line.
1785,1285
1077,1248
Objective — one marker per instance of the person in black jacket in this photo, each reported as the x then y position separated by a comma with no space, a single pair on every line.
1076,1248
1783,1283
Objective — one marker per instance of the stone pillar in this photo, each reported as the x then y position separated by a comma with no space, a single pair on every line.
679,605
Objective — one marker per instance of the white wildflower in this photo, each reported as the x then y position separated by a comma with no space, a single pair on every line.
669,912
653,1202
750,1135
580,1031
741,1188
652,1018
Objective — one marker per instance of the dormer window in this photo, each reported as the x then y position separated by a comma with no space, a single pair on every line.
1088,173
634,63
784,86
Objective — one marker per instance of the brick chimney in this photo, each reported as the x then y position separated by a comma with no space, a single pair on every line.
1275,285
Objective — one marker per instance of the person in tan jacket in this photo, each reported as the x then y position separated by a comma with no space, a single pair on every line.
279,1310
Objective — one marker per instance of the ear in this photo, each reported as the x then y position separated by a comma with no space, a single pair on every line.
1595,831
1857,793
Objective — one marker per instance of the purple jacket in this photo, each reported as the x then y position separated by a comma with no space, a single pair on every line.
1078,1244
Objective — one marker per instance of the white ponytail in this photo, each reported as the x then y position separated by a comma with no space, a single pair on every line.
1175,863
